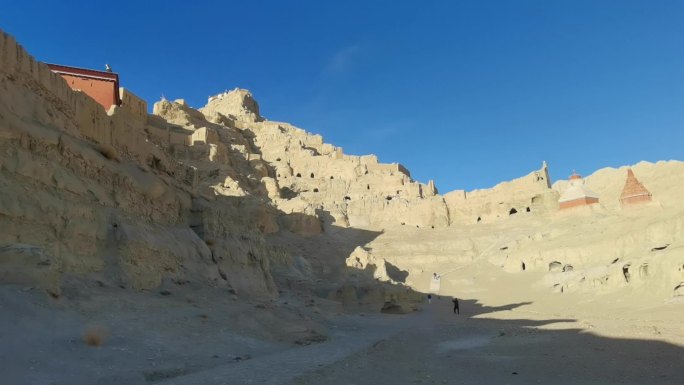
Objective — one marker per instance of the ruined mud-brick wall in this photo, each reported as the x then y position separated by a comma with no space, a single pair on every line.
529,194
317,177
84,192
48,100
90,201
301,174
311,182
355,191
309,176
133,104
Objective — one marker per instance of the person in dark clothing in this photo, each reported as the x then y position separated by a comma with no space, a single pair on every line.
456,309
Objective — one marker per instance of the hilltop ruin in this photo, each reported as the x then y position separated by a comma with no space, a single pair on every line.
219,194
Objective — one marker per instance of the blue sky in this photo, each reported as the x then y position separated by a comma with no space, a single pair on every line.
468,93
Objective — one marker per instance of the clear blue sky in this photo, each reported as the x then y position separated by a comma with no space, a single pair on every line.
468,93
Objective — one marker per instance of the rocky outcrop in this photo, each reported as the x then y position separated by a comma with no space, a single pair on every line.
604,249
214,195
361,259
529,194
181,195
123,200
236,105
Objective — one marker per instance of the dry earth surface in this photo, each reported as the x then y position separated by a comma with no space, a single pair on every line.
514,336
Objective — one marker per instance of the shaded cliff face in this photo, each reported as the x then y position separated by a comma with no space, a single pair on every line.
90,193
180,196
220,196
134,201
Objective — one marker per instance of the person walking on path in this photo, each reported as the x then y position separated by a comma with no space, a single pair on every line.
429,298
456,309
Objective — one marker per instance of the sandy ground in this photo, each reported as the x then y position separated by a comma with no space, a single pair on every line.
511,330
148,337
198,337
442,348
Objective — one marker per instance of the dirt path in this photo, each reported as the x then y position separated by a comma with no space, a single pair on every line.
351,335
160,341
446,349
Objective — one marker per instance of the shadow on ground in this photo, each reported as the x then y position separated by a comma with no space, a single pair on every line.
440,347
490,344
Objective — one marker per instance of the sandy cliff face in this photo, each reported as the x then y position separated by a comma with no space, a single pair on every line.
180,196
88,192
599,249
221,196
530,193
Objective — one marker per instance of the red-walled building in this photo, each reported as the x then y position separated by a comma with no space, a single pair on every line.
102,86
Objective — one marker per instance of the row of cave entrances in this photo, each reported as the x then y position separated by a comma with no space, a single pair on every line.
626,269
299,175
512,211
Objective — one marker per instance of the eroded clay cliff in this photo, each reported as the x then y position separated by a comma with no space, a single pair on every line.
221,196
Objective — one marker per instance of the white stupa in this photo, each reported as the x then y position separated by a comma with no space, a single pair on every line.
577,193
